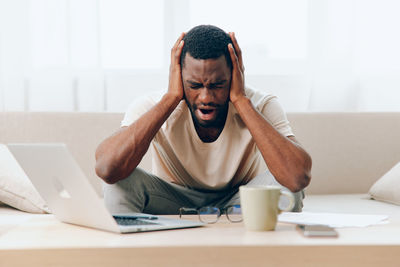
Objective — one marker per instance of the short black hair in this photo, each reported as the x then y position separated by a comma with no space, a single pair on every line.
205,42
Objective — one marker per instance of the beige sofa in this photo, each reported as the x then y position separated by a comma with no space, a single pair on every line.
350,151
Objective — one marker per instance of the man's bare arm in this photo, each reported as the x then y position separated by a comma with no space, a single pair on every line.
118,155
286,159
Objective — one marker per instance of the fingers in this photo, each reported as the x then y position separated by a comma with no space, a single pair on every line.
177,49
177,56
179,39
234,58
238,51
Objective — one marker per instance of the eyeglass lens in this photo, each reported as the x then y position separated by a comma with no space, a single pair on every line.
234,213
209,214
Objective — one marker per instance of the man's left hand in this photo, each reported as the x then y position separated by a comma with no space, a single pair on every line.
237,83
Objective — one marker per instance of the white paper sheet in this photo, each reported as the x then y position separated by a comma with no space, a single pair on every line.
336,220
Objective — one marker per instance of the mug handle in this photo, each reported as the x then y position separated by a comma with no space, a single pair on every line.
290,196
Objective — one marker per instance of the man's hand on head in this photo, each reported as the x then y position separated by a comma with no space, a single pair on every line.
175,86
237,91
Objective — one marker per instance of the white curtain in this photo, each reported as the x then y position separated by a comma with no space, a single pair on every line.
98,55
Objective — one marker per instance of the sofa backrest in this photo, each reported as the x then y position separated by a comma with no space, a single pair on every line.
82,132
350,151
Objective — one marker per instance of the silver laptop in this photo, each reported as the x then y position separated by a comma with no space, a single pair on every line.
72,199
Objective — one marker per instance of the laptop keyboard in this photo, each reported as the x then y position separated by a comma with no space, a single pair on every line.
131,221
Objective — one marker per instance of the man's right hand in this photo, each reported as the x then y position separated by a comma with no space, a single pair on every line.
175,86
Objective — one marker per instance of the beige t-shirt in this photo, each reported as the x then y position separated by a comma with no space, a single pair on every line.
179,155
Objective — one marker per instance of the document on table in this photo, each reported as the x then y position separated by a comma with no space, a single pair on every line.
335,220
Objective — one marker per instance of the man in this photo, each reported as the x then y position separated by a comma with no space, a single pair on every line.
209,135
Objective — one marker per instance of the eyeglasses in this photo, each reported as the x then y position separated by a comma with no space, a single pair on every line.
212,214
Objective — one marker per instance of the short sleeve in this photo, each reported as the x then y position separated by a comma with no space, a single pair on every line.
138,107
274,113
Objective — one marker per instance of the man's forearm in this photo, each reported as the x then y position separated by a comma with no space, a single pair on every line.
286,160
119,155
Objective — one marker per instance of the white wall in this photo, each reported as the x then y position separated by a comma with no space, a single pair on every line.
98,55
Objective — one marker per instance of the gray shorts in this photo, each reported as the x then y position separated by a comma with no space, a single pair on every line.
147,193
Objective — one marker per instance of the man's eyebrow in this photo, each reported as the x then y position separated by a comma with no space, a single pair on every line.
192,82
219,82
214,83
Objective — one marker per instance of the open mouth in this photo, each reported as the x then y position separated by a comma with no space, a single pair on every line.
206,113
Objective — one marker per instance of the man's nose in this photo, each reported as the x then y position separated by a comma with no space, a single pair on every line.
206,95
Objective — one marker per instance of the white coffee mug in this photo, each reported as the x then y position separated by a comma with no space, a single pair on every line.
260,206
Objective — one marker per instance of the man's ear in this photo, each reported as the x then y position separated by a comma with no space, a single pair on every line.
182,59
183,85
230,78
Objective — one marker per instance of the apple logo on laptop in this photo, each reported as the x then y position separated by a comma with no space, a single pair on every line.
62,192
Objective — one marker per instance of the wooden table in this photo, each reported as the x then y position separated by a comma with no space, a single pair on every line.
41,240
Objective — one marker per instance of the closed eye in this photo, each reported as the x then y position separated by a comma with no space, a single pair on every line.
194,85
216,86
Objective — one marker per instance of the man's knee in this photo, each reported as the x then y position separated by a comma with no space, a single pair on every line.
135,180
126,195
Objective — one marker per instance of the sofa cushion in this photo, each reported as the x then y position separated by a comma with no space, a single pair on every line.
16,190
387,188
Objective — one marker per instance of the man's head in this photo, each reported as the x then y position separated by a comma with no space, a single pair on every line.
205,42
206,74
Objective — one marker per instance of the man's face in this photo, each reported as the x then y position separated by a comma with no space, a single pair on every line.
206,85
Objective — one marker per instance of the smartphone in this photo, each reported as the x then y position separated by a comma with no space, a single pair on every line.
317,230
